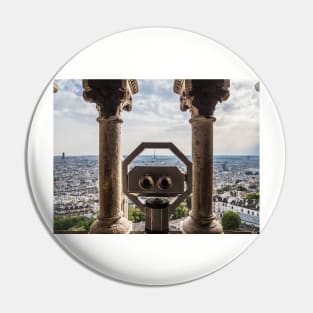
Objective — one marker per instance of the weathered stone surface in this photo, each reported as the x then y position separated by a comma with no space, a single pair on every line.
194,226
201,97
111,97
55,88
108,226
110,185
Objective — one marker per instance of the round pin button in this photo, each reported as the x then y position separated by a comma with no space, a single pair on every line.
151,164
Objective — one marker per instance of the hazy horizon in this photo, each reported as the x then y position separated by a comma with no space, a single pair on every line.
76,155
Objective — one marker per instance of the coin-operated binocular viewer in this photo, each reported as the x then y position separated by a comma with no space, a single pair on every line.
162,188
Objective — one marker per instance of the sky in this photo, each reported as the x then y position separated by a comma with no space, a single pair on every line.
156,116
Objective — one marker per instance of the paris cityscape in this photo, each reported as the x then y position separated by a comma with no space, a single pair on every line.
236,187
185,115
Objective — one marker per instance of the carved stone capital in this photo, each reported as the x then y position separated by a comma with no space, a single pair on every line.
55,88
200,96
111,95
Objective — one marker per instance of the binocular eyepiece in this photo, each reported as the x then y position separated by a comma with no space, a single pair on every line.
149,181
146,182
164,182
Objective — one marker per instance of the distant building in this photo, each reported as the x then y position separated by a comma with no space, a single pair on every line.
248,209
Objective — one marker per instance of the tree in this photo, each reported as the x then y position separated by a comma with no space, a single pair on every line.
73,223
226,188
231,220
253,195
180,211
241,188
135,214
223,189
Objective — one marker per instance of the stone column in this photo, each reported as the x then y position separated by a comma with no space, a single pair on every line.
201,97
111,97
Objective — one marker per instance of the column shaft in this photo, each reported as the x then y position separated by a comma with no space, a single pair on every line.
110,218
202,179
109,168
200,96
111,96
201,219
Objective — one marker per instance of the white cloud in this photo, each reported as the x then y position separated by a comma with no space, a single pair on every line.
156,116
237,127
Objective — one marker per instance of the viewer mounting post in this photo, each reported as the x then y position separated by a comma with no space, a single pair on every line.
111,96
200,96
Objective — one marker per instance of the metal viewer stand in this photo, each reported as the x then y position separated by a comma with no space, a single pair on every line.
163,187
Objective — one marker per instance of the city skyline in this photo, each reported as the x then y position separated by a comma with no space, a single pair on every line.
156,116
152,154
236,186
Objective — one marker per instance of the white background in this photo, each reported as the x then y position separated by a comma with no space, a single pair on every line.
275,273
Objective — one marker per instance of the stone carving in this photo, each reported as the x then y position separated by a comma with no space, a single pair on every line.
55,88
201,95
111,96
